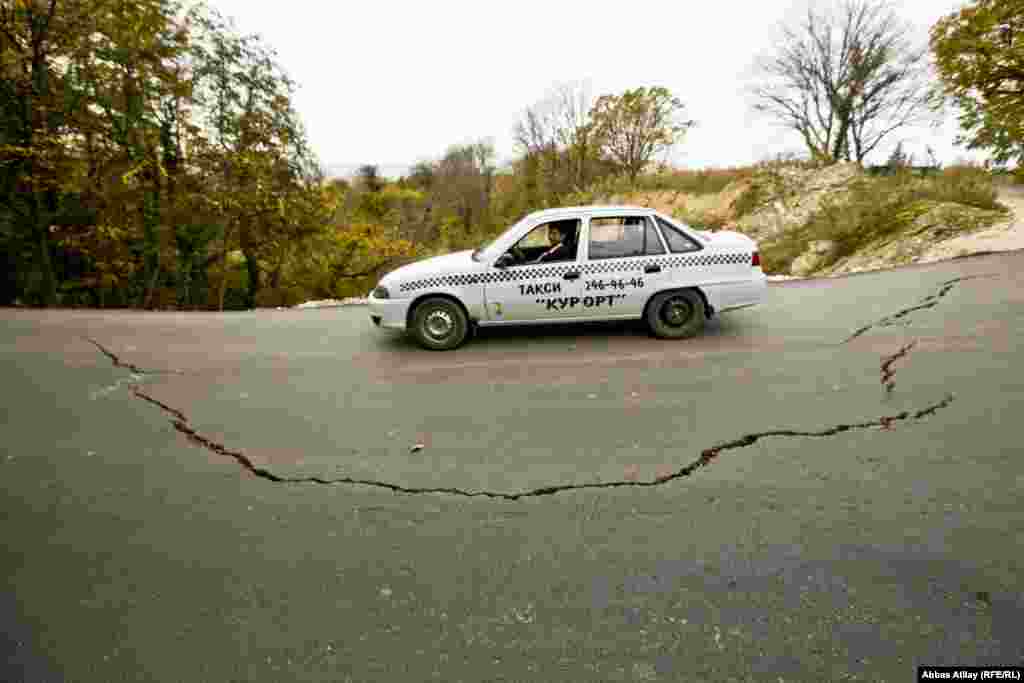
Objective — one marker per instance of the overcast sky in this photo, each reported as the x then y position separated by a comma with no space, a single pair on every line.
393,82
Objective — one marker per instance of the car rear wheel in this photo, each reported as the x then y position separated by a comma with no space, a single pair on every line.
439,324
676,315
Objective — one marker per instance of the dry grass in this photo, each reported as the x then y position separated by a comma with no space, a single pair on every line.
877,207
693,182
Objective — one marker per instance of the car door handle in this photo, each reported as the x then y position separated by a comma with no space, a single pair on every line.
571,275
652,268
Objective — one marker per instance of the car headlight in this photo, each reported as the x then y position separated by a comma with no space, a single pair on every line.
381,293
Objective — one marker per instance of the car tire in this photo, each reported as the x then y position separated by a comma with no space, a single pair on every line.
439,324
675,315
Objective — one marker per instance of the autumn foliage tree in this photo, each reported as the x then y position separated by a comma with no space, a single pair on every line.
979,55
557,139
634,127
41,103
150,156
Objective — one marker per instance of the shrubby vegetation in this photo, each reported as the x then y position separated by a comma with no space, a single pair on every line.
151,157
874,207
979,55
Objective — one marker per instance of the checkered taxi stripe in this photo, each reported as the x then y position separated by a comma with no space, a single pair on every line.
589,268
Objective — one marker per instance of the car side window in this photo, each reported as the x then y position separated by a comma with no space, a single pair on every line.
548,242
677,242
623,236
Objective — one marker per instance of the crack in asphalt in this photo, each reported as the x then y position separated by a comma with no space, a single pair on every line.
181,424
927,302
134,369
888,374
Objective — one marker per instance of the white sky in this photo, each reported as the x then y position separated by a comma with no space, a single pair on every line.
393,82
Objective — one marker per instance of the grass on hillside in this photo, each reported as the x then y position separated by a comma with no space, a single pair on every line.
877,207
695,182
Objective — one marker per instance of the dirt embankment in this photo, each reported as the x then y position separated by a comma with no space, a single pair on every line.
833,221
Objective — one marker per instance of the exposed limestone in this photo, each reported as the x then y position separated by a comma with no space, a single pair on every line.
783,198
775,204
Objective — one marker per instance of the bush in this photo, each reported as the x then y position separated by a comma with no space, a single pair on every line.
777,257
876,207
768,181
866,213
752,197
964,184
871,210
702,220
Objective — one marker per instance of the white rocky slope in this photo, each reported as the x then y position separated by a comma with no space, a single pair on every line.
934,239
1004,236
786,197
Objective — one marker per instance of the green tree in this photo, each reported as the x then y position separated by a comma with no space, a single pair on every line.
258,148
979,56
633,127
132,79
40,101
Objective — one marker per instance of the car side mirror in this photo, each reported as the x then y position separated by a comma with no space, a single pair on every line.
504,261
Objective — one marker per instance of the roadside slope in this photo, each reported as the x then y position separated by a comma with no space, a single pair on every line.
1005,236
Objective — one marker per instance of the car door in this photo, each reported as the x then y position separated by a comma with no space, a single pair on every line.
531,291
623,264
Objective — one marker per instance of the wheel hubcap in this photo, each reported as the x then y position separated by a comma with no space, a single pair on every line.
677,312
439,324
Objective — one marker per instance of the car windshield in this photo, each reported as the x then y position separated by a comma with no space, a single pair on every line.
482,253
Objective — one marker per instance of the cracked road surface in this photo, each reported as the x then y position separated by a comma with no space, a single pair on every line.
241,496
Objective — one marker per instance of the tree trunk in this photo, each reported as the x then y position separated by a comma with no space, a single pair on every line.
224,271
186,262
275,276
44,260
151,246
252,268
48,286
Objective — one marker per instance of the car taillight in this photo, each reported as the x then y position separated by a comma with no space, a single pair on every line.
756,261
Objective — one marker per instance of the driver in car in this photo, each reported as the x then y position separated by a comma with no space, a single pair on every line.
560,235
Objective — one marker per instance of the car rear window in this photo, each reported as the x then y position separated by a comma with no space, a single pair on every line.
622,236
677,241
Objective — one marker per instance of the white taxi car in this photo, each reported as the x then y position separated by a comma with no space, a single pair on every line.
572,265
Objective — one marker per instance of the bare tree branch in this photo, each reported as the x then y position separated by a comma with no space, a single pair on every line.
845,79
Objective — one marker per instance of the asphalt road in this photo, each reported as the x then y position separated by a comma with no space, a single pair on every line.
825,487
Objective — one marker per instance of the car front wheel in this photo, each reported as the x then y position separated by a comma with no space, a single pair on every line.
439,324
676,315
